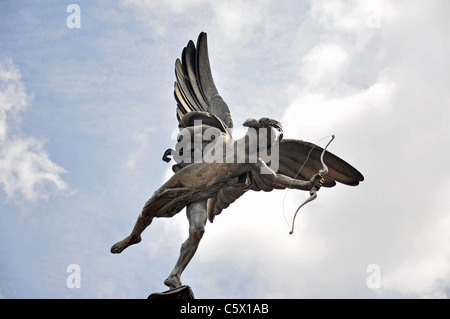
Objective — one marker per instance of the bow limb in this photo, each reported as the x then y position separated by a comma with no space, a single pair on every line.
313,192
313,196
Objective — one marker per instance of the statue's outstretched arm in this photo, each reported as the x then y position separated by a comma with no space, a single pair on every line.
281,181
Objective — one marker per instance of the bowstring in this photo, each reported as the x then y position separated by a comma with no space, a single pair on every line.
298,172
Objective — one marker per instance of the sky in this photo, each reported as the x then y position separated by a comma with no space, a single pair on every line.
87,110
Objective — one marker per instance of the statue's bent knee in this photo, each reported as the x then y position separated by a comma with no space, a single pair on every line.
197,232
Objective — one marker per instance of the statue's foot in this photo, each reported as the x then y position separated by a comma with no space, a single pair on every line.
173,281
118,247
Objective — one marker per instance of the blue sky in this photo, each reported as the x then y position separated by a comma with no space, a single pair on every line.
86,113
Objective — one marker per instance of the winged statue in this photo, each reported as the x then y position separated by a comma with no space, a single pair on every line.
212,169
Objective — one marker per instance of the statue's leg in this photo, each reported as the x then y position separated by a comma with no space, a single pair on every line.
197,216
135,237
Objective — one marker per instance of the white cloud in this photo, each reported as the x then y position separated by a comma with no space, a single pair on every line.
332,87
425,272
233,21
175,6
25,166
353,17
330,112
323,63
13,97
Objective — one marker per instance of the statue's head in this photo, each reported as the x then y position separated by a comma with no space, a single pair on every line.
252,123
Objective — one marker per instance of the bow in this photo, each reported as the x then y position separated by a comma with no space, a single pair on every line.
313,192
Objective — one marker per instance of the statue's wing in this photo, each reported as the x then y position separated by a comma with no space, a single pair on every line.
301,160
194,87
296,153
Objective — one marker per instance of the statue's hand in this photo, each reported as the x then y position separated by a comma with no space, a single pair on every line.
316,182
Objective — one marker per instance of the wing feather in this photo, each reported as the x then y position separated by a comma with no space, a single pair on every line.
184,88
195,90
190,65
183,104
207,85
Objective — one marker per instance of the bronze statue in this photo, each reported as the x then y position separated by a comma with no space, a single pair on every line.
212,169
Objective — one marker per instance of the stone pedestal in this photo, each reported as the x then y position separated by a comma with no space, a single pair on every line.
183,292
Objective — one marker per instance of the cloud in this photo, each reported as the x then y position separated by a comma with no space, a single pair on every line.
231,16
425,273
322,63
335,111
25,167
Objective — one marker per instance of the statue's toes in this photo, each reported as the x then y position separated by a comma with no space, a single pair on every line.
116,248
